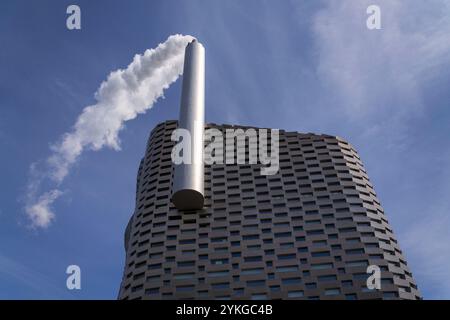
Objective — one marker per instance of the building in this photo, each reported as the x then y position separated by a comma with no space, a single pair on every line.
308,232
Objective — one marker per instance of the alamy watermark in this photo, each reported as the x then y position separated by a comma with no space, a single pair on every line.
73,281
263,147
373,22
73,21
374,280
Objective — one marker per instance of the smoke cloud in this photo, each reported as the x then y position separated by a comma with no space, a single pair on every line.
122,97
39,212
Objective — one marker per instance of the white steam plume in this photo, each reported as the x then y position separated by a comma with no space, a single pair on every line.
124,95
40,212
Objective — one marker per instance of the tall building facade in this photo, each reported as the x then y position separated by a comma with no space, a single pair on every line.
308,232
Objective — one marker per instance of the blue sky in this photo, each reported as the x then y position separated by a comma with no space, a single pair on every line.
308,66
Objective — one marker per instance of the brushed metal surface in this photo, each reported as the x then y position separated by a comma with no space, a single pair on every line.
188,186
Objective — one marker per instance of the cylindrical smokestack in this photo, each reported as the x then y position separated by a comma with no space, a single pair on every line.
188,185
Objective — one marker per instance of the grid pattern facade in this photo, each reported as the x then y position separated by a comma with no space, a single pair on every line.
308,232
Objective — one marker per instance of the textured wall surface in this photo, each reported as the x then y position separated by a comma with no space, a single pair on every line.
308,232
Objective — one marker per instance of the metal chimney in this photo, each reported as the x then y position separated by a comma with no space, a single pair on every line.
188,184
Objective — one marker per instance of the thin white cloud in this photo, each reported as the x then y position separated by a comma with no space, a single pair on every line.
122,97
40,212
428,242
29,278
379,73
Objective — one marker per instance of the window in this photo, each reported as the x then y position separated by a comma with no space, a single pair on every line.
332,292
355,251
256,283
154,266
239,291
295,294
282,235
218,286
360,276
311,286
219,261
321,266
137,288
321,254
186,263
253,259
358,263
275,288
252,271
153,278
287,256
181,276
326,278
387,281
287,269
217,273
188,241
152,291
390,295
289,281
347,283
185,288
320,243
314,232
259,297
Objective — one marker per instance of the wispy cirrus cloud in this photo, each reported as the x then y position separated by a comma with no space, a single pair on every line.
426,239
379,73
428,242
34,281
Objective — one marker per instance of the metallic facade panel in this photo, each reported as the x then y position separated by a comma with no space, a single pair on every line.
308,232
